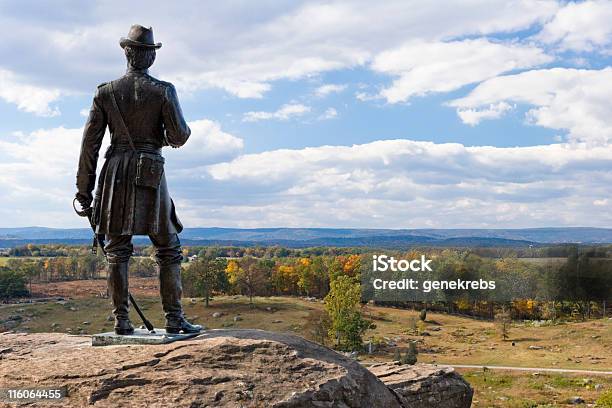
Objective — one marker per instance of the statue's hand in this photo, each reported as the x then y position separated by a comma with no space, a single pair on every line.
84,199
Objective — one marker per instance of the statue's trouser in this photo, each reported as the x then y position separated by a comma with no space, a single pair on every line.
168,255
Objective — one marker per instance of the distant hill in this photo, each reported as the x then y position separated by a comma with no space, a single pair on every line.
308,237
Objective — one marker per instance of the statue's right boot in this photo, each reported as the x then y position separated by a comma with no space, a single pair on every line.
171,291
118,290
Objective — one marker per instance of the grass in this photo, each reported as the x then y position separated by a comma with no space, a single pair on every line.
4,260
527,390
276,314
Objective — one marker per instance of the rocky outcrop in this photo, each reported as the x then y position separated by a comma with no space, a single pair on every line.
223,368
425,385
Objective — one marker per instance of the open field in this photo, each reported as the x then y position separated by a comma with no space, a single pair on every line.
531,390
79,289
544,261
449,339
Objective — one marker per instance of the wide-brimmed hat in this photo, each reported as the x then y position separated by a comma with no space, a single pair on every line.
139,36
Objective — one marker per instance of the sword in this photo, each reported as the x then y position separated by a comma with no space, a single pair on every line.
98,241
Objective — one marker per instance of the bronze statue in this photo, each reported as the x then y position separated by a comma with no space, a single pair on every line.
143,115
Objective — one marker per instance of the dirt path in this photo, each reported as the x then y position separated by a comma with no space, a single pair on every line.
535,369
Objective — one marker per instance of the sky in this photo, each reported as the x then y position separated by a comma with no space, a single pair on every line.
354,114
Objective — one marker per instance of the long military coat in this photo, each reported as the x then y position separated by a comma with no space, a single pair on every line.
152,114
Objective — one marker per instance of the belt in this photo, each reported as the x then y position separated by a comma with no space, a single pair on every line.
140,147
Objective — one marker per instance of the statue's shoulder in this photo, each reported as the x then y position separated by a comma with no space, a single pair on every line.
165,88
159,83
101,89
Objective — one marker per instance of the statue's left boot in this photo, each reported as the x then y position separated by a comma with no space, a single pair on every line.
118,288
171,291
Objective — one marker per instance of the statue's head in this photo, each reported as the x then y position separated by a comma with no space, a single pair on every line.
139,58
139,47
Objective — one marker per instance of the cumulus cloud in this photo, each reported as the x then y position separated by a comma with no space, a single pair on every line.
239,49
28,98
285,112
575,100
330,113
473,117
403,183
387,183
38,169
207,143
423,67
580,27
327,89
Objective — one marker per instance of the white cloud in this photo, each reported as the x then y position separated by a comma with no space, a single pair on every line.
38,170
403,183
28,98
575,100
387,183
330,113
580,27
207,144
327,89
473,117
285,112
241,49
422,67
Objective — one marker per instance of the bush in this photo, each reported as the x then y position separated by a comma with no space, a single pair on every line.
412,325
410,357
12,283
604,400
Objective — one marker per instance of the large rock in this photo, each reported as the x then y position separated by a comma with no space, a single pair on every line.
425,385
232,368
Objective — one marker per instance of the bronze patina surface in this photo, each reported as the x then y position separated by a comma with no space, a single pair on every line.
143,115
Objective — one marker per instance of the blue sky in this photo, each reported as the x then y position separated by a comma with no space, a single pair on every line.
488,114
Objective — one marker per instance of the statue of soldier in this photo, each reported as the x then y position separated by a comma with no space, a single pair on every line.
143,115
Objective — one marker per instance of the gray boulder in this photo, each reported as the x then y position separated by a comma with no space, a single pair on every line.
425,385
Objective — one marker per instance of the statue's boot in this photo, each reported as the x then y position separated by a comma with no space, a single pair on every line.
171,291
118,288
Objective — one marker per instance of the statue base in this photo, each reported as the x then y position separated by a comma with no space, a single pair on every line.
140,336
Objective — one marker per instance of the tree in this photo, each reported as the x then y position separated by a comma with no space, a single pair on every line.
286,280
342,304
208,275
313,277
247,276
12,283
503,323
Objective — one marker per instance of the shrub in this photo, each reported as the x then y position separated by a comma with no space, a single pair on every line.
604,400
12,283
410,357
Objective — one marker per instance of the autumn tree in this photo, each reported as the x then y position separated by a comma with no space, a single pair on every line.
313,279
247,276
